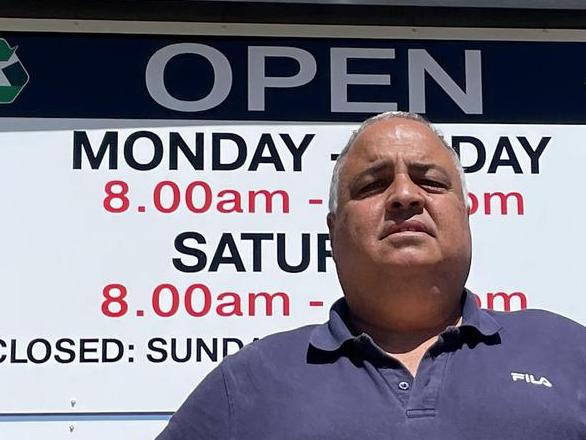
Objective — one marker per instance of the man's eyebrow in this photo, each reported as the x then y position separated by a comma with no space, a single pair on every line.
423,167
381,166
375,168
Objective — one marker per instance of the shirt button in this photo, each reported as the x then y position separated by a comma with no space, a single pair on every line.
404,386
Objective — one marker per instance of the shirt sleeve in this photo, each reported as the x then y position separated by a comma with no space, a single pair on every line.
206,413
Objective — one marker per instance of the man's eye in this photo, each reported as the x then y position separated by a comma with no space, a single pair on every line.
434,184
372,187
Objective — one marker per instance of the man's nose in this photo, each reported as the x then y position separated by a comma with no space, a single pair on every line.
404,194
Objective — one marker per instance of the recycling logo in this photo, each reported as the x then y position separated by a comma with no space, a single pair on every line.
13,76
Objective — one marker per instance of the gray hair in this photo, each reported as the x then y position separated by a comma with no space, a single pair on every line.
335,182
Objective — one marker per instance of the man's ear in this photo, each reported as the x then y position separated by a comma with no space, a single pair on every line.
331,221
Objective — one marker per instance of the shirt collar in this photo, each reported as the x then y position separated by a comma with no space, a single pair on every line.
333,334
473,316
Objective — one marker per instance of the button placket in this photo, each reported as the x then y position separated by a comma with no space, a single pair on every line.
424,395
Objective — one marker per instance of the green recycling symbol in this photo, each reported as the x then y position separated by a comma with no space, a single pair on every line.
13,77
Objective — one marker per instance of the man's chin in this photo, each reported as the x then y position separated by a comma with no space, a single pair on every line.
409,257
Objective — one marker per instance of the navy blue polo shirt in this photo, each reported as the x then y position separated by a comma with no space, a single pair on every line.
517,375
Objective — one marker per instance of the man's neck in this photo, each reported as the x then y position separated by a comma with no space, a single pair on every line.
401,342
407,335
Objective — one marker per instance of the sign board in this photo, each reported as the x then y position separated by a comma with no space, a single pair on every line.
165,199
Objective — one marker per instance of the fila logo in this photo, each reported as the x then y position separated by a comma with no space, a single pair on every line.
529,378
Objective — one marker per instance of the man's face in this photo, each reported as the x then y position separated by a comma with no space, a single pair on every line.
400,204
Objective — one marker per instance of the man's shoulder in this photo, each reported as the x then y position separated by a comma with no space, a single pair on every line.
285,348
538,322
294,339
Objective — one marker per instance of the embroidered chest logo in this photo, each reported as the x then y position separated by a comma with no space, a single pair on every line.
530,378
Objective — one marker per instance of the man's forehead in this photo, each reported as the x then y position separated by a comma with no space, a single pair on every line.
411,139
400,129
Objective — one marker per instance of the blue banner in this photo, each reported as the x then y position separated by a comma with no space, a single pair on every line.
289,79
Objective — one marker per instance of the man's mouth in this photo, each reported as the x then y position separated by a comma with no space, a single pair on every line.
409,226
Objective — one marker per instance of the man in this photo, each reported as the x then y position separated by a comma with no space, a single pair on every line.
407,354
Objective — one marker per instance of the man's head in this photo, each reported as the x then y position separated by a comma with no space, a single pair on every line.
398,217
333,195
